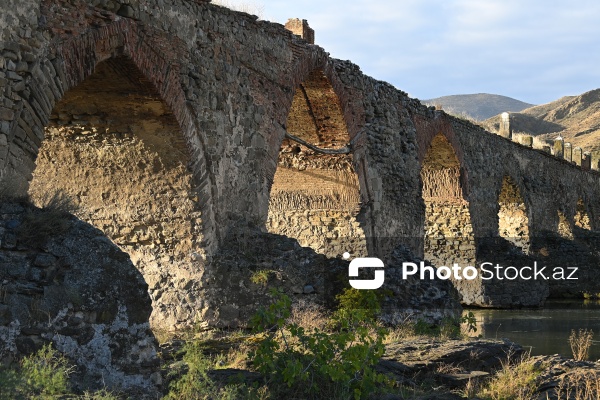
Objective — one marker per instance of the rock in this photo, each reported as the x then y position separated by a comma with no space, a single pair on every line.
426,355
308,289
44,260
126,11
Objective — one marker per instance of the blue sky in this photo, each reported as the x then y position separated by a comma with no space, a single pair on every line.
533,50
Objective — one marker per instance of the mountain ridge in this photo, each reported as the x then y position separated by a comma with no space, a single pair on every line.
478,106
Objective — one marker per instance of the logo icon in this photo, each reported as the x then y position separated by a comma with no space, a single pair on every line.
366,262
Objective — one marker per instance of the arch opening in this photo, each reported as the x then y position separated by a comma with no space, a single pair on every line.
116,150
564,227
513,222
582,217
315,198
449,235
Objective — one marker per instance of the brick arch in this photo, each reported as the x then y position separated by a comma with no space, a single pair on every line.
565,204
156,57
447,219
354,115
73,58
351,103
318,113
427,130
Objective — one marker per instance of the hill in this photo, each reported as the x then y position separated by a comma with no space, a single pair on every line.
479,106
576,118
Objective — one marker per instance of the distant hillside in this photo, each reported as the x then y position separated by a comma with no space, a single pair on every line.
479,106
576,118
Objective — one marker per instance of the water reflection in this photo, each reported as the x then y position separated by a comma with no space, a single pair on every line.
545,330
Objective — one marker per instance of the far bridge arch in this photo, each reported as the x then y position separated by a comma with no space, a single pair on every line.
315,198
448,230
513,216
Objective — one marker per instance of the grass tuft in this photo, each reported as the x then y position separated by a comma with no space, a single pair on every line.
517,380
53,218
580,342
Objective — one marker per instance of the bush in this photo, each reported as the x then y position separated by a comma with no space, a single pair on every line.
353,300
581,342
195,384
43,374
318,364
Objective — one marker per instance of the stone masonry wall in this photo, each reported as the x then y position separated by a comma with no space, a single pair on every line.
117,152
63,282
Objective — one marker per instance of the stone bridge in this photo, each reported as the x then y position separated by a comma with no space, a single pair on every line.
164,121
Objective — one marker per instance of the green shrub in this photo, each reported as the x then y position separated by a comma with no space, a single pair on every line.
195,384
43,375
352,300
470,321
318,364
40,375
261,277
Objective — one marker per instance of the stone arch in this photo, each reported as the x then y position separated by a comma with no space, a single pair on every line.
75,57
160,209
513,218
427,131
449,234
582,216
564,226
315,198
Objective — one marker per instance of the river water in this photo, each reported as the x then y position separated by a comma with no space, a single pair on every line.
546,330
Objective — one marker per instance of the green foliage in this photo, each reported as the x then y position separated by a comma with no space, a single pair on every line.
195,384
41,375
470,321
261,277
449,328
589,295
318,364
352,300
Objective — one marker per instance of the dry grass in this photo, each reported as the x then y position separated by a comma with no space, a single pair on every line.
236,357
52,219
471,389
580,342
402,332
515,381
579,385
309,316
